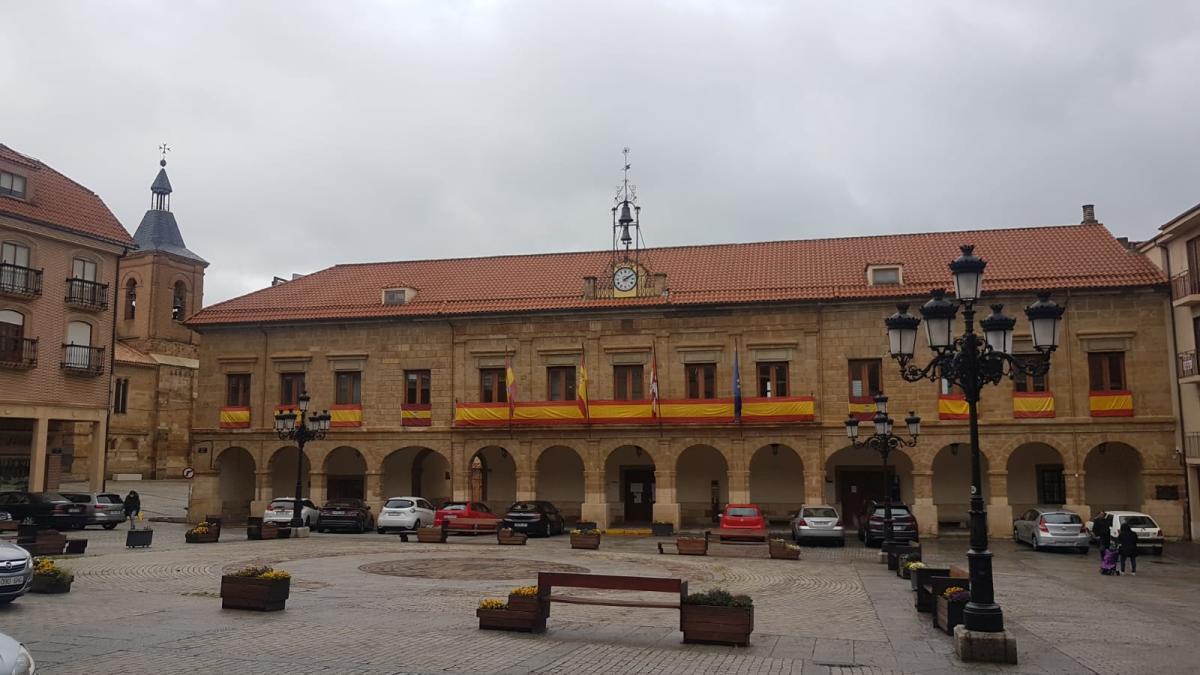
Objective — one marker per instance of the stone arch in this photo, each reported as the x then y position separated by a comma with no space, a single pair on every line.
345,471
1036,477
560,479
492,477
854,475
235,468
701,483
952,485
416,472
777,480
629,483
282,465
1113,478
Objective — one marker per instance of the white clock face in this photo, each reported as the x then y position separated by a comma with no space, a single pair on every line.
625,278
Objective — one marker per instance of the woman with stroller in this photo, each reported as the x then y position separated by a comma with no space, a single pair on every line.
1127,541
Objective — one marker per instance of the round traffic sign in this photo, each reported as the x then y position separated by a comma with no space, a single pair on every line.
189,472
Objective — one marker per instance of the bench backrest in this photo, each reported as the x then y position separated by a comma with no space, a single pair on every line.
548,580
474,522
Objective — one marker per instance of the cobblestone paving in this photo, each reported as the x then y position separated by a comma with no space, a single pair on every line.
835,611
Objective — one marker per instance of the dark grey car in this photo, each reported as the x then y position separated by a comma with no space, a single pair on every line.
100,508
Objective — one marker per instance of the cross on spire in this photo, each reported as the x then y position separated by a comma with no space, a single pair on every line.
164,149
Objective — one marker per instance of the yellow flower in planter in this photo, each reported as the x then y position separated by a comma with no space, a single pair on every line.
275,575
952,590
492,603
525,591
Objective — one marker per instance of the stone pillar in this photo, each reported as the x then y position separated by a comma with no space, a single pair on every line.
666,505
923,507
526,472
204,497
316,489
460,473
739,486
1077,494
814,486
999,511
595,506
262,492
37,459
374,491
98,463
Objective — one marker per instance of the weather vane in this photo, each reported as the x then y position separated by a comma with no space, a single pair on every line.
164,149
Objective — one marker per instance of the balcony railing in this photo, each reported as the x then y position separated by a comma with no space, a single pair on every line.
1191,445
83,360
24,282
16,352
1186,364
87,294
1184,284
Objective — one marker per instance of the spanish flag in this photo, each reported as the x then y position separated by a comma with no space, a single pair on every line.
510,385
654,382
581,391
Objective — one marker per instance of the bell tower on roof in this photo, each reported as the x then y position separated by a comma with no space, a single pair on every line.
629,273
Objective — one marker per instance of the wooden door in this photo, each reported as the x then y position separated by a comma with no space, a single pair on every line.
855,486
638,494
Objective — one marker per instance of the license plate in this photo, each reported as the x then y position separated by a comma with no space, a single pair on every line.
520,525
338,513
12,581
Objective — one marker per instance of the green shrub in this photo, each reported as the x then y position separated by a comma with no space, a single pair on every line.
718,597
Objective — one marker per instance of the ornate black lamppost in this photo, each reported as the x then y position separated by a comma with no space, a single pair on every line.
301,429
884,441
972,362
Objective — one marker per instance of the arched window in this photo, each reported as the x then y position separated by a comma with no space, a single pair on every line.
179,302
12,335
78,347
130,299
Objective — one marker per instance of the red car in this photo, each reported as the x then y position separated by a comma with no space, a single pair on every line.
453,510
742,517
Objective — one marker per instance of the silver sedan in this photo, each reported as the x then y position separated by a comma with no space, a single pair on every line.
1044,528
818,522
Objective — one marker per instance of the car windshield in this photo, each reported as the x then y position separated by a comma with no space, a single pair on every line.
742,512
454,506
820,512
398,504
1061,518
283,504
897,510
524,507
77,498
1138,521
341,504
109,499
53,497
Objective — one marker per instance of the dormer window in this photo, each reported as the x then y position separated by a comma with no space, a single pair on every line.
394,296
885,275
12,185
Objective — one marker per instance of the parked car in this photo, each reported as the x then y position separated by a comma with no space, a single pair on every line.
47,509
346,514
15,659
1044,528
818,522
404,513
1149,534
870,523
279,512
537,517
100,508
742,517
16,572
453,510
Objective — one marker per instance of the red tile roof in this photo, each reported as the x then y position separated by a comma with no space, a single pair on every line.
60,202
127,354
1026,259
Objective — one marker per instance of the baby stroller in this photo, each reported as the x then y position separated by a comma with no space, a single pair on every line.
1108,563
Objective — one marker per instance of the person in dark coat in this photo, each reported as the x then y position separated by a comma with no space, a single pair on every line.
1102,527
1127,540
133,506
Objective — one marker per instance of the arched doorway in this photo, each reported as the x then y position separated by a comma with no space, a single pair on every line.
560,480
855,475
629,481
701,484
1113,480
493,478
235,483
1035,477
952,486
417,472
283,474
345,474
777,480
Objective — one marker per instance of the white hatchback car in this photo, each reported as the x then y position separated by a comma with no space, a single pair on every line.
1149,534
404,513
279,512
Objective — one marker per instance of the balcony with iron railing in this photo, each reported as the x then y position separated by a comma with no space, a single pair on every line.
18,352
85,294
1185,289
1191,446
1186,365
21,282
83,360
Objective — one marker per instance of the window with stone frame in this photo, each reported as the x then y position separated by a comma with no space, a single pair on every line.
627,383
1051,484
1106,371
237,390
120,395
865,377
1030,384
291,385
560,383
492,388
701,380
773,378
416,387
348,387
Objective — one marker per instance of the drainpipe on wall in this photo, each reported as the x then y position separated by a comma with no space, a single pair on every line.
1182,436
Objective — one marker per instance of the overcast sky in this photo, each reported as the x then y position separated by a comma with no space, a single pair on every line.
305,134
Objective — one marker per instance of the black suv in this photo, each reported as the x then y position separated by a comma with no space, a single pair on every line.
870,523
534,518
47,509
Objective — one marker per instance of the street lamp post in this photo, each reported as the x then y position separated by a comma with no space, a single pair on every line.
972,361
300,429
884,441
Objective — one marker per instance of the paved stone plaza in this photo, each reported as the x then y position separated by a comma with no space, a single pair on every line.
371,604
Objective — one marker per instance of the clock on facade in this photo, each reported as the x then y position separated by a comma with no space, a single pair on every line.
625,279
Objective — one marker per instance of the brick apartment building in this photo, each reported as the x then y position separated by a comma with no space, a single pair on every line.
411,358
60,252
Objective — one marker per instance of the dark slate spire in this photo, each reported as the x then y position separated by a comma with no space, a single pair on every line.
158,230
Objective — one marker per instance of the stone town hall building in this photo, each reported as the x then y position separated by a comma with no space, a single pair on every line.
411,360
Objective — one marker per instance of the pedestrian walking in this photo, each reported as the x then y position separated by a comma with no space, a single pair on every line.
1127,540
1102,528
133,508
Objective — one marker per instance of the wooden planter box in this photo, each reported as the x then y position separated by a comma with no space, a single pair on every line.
258,532
691,546
210,538
716,625
76,546
590,540
913,577
782,552
139,538
949,614
533,610
431,535
44,584
263,595
508,538
507,619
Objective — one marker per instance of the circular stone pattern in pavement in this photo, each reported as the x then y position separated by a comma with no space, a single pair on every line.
467,569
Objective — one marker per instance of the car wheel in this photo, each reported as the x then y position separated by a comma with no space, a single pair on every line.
1036,546
1157,550
109,526
1016,538
842,542
1084,550
416,525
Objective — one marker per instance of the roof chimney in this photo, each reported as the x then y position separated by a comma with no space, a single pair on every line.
1089,214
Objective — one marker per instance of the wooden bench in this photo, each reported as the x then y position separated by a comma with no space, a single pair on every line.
686,545
472,525
547,581
743,536
930,586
